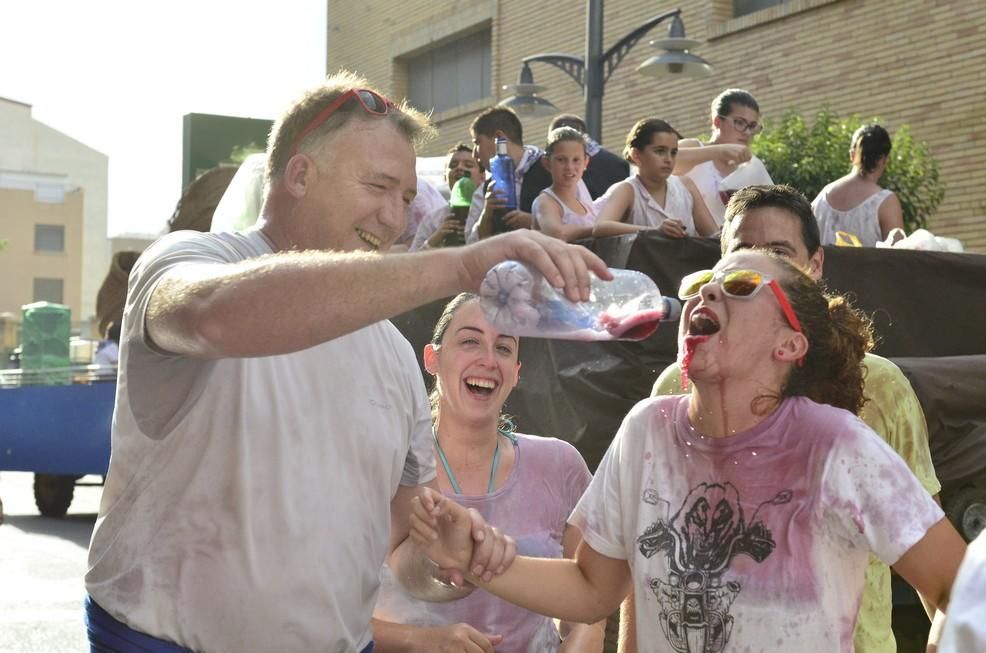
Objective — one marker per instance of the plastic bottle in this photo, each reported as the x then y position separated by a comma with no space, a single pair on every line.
518,301
502,171
462,193
459,203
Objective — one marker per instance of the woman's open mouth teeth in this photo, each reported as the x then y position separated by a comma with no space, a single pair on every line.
702,324
369,238
480,386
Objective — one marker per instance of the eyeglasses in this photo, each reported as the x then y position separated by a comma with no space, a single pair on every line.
741,125
740,284
371,101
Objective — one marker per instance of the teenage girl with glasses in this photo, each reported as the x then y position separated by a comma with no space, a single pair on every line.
735,120
653,198
525,485
742,515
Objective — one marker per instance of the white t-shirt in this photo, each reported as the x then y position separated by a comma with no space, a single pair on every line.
532,506
862,220
247,506
428,200
965,626
707,180
568,216
646,212
757,541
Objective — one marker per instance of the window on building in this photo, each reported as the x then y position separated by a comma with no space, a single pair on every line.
451,75
744,7
49,238
49,290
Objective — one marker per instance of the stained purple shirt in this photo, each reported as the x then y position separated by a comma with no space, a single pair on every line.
533,506
753,542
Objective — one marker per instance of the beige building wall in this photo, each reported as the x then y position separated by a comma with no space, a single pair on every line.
21,263
31,149
906,61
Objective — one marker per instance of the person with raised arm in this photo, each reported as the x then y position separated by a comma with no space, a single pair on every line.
271,425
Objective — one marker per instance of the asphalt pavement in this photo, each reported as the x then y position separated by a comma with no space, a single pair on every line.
42,565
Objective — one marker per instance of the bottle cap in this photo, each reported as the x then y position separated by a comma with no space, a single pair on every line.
462,192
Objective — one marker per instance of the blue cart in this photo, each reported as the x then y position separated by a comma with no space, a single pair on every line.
59,432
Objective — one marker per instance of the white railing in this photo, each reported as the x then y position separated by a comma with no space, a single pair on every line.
17,378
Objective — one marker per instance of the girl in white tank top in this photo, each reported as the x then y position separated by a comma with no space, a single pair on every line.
558,210
653,199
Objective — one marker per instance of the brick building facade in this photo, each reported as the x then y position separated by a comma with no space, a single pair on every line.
917,62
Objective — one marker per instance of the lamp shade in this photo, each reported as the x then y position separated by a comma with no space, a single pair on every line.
675,62
529,105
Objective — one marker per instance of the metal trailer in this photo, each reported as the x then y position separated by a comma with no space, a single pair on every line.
61,432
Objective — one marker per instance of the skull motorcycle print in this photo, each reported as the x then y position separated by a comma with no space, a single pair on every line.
700,541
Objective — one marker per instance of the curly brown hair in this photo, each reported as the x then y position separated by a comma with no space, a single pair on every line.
838,338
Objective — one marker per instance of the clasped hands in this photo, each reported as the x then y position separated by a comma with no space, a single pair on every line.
458,539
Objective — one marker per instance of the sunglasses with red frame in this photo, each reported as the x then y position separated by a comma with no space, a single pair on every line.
371,101
741,284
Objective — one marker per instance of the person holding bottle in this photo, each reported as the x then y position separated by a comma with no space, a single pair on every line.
530,178
653,198
442,227
742,514
558,210
527,485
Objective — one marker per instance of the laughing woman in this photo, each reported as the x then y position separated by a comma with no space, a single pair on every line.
743,513
526,485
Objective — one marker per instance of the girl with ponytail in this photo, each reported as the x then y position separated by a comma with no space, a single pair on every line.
856,204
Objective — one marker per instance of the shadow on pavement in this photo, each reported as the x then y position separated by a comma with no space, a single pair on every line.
76,528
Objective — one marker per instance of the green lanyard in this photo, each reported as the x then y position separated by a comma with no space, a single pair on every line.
496,460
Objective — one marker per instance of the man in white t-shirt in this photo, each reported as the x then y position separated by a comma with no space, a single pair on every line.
271,426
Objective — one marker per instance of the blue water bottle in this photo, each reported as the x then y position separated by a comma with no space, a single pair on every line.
502,170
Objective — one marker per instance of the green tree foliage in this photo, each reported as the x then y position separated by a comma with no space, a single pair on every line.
810,156
239,153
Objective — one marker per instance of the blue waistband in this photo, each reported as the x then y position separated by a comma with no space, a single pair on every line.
107,635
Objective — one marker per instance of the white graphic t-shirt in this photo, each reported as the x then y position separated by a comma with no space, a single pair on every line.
757,541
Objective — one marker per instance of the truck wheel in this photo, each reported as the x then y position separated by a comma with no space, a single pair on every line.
53,494
967,510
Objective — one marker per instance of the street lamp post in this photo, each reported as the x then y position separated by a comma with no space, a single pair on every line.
592,71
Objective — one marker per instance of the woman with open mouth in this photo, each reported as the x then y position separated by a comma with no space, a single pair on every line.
742,513
526,485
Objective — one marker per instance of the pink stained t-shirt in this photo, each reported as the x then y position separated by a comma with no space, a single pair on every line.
533,506
754,542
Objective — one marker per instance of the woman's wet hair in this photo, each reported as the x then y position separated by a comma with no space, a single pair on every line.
562,135
642,133
838,338
723,103
441,327
869,144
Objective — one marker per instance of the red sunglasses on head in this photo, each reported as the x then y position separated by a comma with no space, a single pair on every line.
371,101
